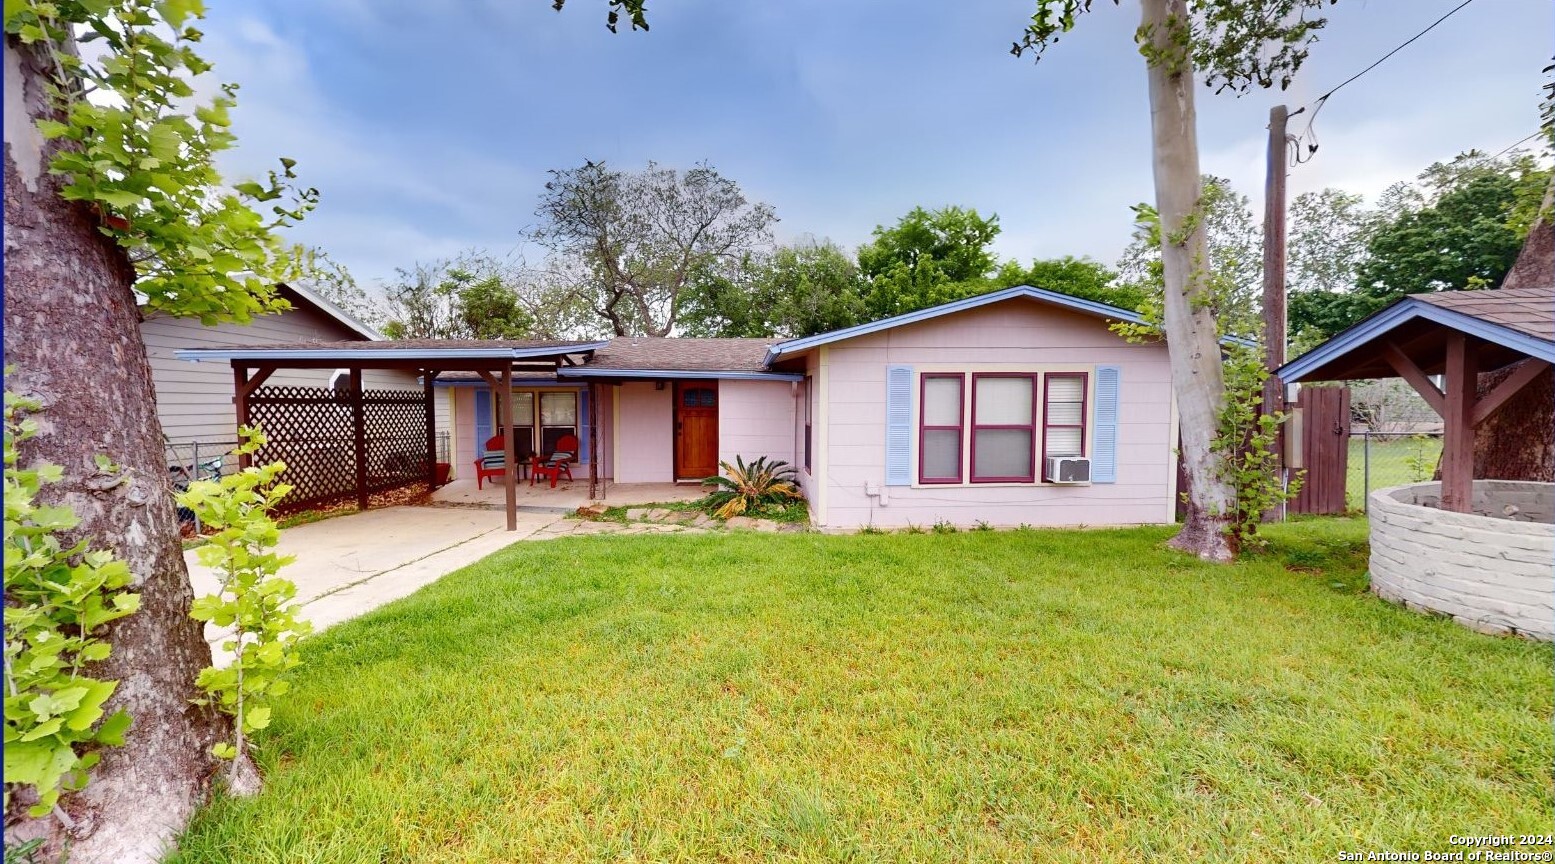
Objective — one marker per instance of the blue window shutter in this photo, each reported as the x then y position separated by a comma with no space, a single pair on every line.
1104,447
898,426
483,430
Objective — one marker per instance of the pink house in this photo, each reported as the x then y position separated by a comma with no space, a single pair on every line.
960,413
1015,407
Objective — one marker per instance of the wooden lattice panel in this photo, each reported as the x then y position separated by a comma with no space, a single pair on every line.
313,430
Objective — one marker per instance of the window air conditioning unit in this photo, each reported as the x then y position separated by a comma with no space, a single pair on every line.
1067,469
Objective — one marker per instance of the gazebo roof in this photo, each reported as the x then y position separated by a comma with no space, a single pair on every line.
1511,324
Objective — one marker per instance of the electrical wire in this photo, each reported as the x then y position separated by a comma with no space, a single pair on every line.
1317,105
1536,134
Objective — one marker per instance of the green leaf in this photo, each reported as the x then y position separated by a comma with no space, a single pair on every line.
90,709
224,750
119,198
53,129
113,729
257,717
24,763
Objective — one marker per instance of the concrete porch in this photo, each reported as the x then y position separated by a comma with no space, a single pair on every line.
565,498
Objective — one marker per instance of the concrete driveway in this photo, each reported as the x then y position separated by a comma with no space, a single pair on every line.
348,565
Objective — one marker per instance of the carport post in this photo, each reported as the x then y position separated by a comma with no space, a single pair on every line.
509,450
593,439
359,433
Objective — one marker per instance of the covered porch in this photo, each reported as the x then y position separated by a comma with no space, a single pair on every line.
345,442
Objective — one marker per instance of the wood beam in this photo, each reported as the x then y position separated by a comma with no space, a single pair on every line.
359,434
1458,439
1408,371
490,379
427,399
593,439
240,390
509,450
1508,388
261,374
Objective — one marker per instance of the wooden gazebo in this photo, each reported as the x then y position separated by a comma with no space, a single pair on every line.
1456,336
349,413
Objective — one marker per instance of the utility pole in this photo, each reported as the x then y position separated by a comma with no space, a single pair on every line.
1274,275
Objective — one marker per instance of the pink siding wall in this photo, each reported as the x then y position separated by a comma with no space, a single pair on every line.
756,418
810,392
1016,333
464,428
646,440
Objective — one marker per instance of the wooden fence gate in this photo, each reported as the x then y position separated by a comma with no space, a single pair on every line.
1325,449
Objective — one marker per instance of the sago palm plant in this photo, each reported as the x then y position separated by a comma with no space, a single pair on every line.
749,486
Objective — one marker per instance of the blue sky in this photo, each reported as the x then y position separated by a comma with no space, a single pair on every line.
429,126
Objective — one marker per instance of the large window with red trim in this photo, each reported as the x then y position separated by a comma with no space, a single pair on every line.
941,408
1004,427
1063,415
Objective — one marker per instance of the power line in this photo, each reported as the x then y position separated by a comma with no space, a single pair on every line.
1318,104
1519,144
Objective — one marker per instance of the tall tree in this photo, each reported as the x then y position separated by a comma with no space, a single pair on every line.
1077,277
312,266
1238,44
798,290
1235,257
473,296
642,237
928,257
109,201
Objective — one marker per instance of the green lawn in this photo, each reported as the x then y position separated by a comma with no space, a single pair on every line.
979,696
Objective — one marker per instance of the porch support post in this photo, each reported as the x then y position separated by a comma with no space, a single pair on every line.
1462,378
593,439
431,419
240,391
359,433
509,449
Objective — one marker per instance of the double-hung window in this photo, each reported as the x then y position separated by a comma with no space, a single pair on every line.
1063,415
941,405
1004,426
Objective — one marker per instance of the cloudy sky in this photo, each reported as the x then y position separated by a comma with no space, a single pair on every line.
429,126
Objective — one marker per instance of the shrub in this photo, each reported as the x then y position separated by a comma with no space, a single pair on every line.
750,487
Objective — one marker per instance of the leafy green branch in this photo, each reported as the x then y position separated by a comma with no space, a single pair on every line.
57,599
252,599
147,167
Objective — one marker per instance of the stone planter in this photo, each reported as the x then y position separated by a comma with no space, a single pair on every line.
1492,570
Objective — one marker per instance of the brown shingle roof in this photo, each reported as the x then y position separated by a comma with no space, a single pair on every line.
424,344
683,355
1527,310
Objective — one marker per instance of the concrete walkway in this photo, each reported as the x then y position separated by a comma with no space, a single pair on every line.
349,565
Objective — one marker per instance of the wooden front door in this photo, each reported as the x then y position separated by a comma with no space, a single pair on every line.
696,429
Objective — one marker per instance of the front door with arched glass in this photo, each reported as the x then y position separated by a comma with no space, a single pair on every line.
696,429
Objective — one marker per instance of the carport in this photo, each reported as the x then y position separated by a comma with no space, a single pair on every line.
334,432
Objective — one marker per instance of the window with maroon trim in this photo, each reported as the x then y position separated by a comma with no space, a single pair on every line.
1004,427
1063,415
940,413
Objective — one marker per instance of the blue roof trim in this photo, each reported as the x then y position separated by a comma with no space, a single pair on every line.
1078,304
1400,313
587,372
385,353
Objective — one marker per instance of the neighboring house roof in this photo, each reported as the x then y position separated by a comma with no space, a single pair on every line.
398,349
658,356
1077,304
1514,323
313,298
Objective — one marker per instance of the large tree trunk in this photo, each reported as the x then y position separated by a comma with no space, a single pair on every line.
72,335
1518,441
1191,336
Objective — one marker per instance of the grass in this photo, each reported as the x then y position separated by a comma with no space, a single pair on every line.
1394,462
1069,696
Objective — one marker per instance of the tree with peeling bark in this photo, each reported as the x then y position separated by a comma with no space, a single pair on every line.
643,238
110,204
1236,45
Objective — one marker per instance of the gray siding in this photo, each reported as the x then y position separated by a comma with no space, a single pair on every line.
194,400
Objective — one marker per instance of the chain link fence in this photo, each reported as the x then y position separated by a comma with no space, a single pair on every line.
1378,460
